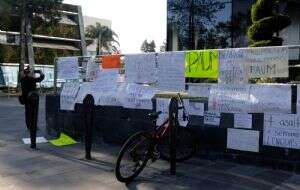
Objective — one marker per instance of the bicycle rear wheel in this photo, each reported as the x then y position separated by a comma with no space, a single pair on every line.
186,145
133,157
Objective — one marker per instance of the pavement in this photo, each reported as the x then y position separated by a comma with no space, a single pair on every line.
53,168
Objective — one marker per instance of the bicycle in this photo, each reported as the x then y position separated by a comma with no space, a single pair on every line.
144,146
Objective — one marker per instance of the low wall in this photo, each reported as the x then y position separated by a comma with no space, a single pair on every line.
116,124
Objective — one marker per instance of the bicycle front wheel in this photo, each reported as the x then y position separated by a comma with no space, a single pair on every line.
186,145
133,157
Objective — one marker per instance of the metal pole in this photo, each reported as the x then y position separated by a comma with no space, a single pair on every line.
173,121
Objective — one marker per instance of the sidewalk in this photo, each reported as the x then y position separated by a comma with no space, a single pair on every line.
56,168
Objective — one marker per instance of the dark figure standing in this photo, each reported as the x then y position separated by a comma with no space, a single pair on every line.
30,99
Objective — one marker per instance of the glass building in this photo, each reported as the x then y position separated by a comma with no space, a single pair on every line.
204,24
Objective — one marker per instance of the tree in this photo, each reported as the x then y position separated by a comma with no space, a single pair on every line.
148,47
265,23
163,47
106,38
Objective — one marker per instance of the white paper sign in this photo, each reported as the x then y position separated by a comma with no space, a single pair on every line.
267,62
282,130
245,140
92,70
232,67
229,98
212,118
200,89
38,140
140,68
68,95
67,68
250,98
162,104
3,38
138,96
196,108
243,121
171,71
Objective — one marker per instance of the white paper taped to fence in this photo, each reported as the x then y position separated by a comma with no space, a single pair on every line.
229,98
243,121
200,89
92,69
282,130
67,68
140,68
68,95
232,67
250,98
113,96
212,118
196,108
171,71
267,62
162,104
138,96
241,139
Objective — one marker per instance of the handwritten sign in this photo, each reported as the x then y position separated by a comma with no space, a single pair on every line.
229,98
68,95
232,67
92,69
171,71
200,89
196,108
111,62
282,130
67,68
138,96
140,68
267,62
162,104
245,140
298,98
212,118
243,121
250,98
202,64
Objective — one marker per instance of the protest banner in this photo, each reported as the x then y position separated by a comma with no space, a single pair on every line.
241,139
68,95
67,68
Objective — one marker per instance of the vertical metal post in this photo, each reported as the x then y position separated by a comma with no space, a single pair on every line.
88,105
81,32
173,121
55,75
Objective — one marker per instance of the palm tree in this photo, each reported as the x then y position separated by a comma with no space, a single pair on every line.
106,38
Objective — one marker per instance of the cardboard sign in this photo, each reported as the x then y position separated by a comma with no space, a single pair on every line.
282,130
111,62
202,64
245,140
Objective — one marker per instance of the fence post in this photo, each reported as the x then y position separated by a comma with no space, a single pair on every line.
89,109
173,121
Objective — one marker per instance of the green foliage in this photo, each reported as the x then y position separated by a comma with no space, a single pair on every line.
106,38
148,47
265,24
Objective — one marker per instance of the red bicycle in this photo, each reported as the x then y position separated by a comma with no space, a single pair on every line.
144,146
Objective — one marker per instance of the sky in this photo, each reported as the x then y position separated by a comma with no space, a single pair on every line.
133,20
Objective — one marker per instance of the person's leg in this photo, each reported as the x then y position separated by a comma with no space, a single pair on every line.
34,105
27,115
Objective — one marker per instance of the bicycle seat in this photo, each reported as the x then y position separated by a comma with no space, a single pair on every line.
154,115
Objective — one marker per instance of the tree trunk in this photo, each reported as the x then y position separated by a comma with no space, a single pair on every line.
23,60
29,42
99,45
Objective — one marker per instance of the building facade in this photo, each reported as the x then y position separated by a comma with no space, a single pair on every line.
198,24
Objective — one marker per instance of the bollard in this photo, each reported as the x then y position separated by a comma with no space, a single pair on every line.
173,121
89,109
33,108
